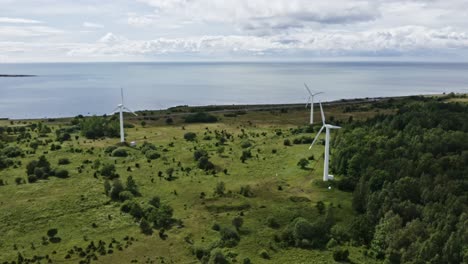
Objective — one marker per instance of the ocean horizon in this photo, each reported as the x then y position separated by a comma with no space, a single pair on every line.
70,89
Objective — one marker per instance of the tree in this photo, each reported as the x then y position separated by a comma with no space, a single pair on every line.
320,207
190,136
145,227
132,186
117,187
303,163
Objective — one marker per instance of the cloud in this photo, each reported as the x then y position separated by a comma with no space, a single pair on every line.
92,25
28,31
18,20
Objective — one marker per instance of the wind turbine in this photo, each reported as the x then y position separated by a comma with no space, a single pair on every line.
311,101
121,107
327,127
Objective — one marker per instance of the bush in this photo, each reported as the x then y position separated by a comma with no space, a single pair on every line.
287,142
109,149
237,222
246,154
217,257
272,222
216,227
61,173
63,161
246,191
220,188
145,227
108,170
155,201
125,195
303,163
229,237
152,154
246,144
96,127
117,188
264,254
205,164
199,153
12,152
190,136
200,118
120,152
52,232
340,254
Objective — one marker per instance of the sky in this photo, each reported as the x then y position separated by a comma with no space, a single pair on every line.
232,30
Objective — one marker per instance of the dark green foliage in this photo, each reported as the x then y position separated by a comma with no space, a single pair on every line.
152,154
246,154
108,170
61,173
287,142
39,168
52,232
117,187
107,187
340,254
155,201
320,207
246,144
200,117
237,222
302,233
109,149
303,163
145,227
246,191
229,237
119,152
199,153
97,127
131,186
190,136
272,222
125,195
409,176
217,257
63,161
12,152
205,164
161,216
219,189
303,140
264,254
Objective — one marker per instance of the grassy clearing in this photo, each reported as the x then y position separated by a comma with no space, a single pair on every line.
80,210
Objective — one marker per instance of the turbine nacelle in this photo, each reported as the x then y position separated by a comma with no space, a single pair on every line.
122,108
310,100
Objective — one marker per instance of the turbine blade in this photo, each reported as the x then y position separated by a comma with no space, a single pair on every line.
124,107
121,95
307,87
323,115
308,101
335,127
115,110
317,93
316,137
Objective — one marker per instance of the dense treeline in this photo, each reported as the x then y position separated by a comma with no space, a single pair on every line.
409,174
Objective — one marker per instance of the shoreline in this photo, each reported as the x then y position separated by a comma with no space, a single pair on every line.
182,110
16,75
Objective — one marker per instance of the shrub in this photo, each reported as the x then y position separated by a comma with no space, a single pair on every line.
340,254
12,152
109,149
120,152
229,237
125,195
205,164
246,144
272,222
246,191
96,127
216,227
63,161
52,232
155,201
190,136
19,180
117,187
201,118
199,153
217,257
220,188
108,170
237,222
303,163
264,254
132,186
152,154
61,173
145,227
169,121
287,142
320,207
246,154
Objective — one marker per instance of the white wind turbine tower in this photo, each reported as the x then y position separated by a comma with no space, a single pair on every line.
327,127
121,107
311,101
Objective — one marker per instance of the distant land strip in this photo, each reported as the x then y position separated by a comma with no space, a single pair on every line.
17,75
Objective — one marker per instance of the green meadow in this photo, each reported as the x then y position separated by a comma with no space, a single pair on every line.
267,190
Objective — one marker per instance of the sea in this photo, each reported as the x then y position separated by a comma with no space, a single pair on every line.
70,89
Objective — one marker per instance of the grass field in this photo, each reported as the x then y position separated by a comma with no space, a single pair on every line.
82,213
